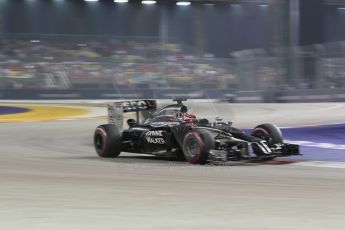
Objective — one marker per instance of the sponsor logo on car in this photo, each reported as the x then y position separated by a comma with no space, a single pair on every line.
155,137
133,105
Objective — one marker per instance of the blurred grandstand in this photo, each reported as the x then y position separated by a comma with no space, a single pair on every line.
214,49
69,62
318,66
76,62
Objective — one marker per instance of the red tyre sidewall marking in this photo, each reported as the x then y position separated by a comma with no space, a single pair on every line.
196,158
103,133
262,130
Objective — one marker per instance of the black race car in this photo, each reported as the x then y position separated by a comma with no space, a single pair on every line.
172,129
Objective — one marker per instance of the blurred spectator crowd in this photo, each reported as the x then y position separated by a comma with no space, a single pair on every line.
87,62
102,63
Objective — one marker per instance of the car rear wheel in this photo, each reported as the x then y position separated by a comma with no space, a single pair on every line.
107,140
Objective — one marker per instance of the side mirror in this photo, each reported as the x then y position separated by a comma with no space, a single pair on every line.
218,119
204,122
131,122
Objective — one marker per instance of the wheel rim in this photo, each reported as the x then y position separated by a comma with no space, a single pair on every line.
262,135
192,147
99,143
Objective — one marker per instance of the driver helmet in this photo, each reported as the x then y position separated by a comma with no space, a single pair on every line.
189,117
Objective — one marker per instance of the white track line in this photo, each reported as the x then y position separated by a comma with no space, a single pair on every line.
321,164
321,145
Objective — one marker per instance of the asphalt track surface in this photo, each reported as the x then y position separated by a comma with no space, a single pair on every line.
50,178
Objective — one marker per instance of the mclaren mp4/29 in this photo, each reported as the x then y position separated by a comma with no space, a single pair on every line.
172,130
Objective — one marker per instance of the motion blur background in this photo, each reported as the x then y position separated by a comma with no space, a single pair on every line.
239,50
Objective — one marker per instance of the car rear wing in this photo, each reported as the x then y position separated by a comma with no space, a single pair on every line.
116,110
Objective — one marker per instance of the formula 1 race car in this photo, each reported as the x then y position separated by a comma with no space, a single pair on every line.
172,129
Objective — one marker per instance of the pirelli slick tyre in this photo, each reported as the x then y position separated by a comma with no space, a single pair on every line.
107,140
269,132
196,146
